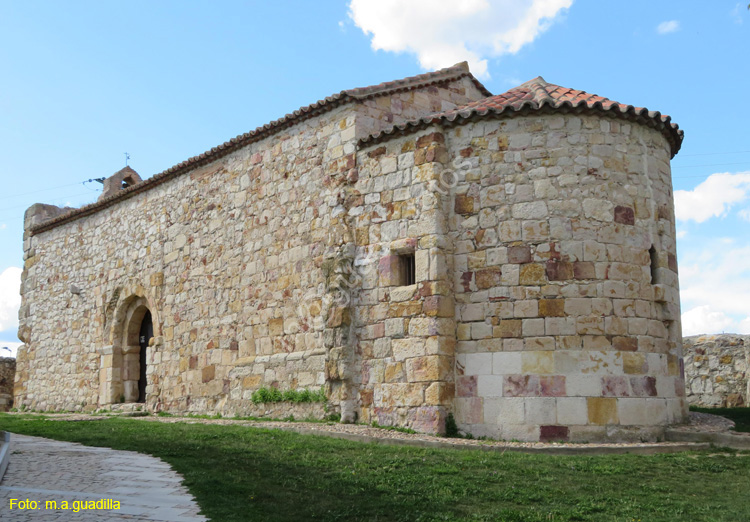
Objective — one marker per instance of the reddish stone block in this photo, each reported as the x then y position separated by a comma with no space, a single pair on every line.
615,386
558,270
488,278
625,344
466,278
376,153
552,385
521,386
584,270
679,387
466,386
464,204
624,215
553,433
465,153
643,386
427,139
427,419
519,254
366,397
388,269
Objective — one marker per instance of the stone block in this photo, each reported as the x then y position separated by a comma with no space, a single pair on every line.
519,254
634,363
504,363
508,328
552,385
538,363
439,393
407,348
488,278
552,307
553,433
532,274
572,410
466,386
429,368
490,386
521,386
602,410
478,363
540,410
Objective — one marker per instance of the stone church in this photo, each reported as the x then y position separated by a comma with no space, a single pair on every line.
420,250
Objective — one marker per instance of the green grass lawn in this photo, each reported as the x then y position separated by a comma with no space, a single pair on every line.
740,416
241,473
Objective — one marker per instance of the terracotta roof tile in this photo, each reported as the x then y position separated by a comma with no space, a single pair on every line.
539,95
455,72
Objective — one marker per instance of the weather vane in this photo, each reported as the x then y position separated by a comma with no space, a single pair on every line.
127,157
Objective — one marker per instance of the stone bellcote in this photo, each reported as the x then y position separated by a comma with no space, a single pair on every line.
118,181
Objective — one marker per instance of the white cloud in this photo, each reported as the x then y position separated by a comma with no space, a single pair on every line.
705,320
713,197
10,299
744,214
714,289
444,32
670,26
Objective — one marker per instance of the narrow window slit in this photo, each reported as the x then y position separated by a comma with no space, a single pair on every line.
408,269
654,264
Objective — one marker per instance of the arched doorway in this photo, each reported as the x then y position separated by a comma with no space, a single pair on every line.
144,337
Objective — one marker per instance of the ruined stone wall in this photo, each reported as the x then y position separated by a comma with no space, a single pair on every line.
7,375
716,370
562,334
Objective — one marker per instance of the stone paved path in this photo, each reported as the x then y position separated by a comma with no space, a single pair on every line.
42,469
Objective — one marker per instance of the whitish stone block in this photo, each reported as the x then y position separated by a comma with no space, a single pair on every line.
572,410
478,364
490,386
583,385
506,363
541,410
656,412
632,411
522,432
505,410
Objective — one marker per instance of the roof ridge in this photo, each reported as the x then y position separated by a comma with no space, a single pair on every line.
328,103
539,95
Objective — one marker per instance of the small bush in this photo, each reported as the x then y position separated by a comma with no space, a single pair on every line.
264,395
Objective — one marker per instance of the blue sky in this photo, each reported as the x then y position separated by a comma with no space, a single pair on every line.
84,82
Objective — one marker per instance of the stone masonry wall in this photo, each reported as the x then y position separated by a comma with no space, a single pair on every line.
407,332
566,327
236,262
7,374
717,369
532,238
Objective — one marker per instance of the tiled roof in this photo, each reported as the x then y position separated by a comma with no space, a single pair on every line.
538,95
448,74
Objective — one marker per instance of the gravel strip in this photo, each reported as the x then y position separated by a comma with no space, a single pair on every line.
698,422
